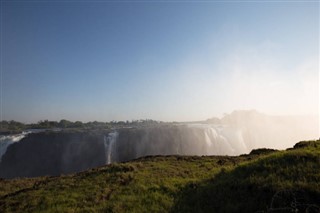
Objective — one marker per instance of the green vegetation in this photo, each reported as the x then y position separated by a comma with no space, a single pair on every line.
264,181
11,126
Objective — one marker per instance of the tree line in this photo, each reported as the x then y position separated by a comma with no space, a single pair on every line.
12,126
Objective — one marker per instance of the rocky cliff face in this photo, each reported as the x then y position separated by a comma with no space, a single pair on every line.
52,154
55,153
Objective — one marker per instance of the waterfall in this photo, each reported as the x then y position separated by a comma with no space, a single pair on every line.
221,139
217,143
7,140
110,145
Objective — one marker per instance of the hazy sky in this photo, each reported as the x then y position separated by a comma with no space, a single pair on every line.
163,60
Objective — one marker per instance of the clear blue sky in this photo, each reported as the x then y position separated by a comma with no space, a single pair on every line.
160,60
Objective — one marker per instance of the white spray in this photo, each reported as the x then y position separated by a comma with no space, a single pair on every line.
110,145
7,140
221,142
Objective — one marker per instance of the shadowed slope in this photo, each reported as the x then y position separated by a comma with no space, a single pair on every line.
288,180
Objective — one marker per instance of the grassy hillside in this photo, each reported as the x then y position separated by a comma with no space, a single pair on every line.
264,181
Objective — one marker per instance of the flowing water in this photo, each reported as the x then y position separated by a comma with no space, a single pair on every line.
110,145
7,140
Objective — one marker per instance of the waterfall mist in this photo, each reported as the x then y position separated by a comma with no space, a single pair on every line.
234,134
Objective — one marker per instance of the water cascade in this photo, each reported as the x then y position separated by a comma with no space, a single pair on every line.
110,145
221,140
7,140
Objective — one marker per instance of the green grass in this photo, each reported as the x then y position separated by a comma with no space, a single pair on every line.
246,183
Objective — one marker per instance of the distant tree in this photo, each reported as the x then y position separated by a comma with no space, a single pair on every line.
53,124
121,123
12,126
64,123
78,124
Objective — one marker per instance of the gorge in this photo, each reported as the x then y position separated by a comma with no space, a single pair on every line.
68,151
